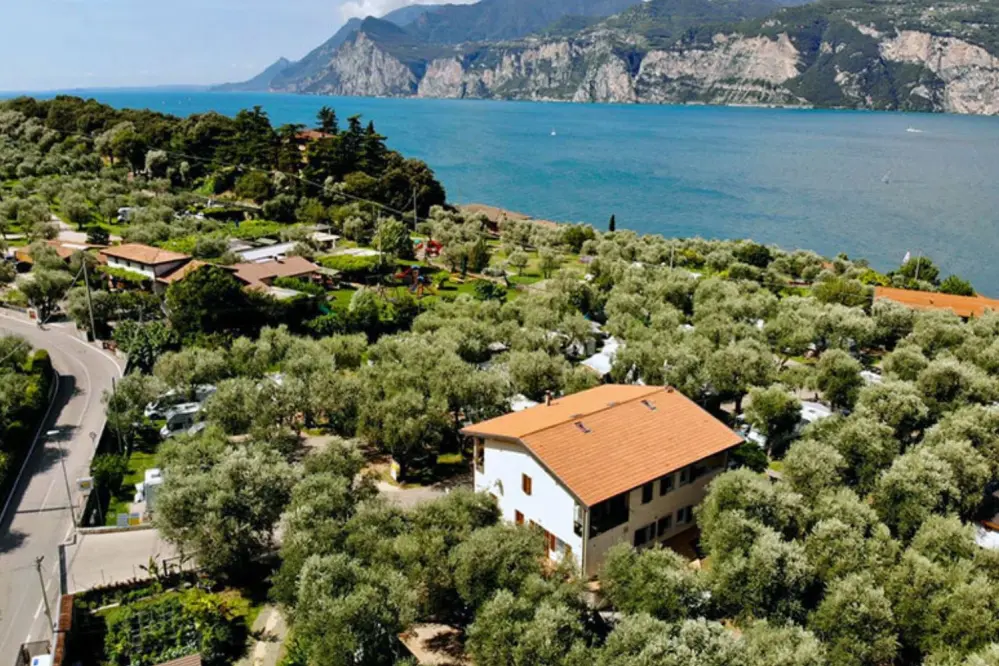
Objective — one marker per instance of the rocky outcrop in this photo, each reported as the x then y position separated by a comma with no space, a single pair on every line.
970,73
361,67
735,70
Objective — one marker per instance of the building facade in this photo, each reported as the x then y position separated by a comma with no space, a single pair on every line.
151,263
609,465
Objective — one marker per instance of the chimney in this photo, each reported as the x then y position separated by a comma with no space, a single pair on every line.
548,398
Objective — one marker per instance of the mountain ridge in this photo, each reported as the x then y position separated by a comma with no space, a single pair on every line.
910,55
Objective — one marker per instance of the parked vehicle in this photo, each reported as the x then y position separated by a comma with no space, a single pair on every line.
172,398
180,418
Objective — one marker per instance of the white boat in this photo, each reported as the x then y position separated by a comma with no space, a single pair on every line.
553,133
913,130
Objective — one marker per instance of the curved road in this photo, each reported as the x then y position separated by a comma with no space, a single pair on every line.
37,518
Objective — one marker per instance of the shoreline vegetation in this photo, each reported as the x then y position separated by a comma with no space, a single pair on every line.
850,541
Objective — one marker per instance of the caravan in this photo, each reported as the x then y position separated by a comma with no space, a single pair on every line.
180,419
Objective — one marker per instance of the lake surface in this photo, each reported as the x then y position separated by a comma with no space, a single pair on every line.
832,181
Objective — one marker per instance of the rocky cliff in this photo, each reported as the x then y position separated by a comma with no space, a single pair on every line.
919,72
870,54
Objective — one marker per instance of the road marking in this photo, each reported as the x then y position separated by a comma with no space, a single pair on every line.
48,492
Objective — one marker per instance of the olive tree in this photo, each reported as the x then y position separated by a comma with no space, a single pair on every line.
774,412
856,622
225,510
838,377
656,581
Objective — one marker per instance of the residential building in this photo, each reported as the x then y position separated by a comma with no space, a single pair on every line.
616,463
256,255
264,273
145,260
963,306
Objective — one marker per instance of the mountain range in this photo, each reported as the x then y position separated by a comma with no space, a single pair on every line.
914,55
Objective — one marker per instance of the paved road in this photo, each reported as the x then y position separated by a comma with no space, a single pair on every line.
37,519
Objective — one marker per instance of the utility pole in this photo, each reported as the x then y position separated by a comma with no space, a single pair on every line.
65,477
90,304
415,217
672,251
117,417
45,597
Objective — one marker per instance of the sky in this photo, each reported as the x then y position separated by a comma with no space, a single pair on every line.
61,44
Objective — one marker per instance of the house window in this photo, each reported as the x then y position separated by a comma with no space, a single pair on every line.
480,455
685,515
525,484
518,517
608,514
644,535
684,476
707,466
550,540
647,492
665,484
664,525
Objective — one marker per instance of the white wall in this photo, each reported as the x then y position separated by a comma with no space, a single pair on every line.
550,505
124,264
151,272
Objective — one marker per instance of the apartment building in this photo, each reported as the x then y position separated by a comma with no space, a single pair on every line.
611,464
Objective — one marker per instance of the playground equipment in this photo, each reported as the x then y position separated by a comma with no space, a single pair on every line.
417,281
430,248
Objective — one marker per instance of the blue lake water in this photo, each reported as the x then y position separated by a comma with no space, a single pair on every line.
832,181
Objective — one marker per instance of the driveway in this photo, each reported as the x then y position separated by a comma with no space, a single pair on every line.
116,557
36,517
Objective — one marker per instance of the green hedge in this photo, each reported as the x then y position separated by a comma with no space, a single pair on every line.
353,268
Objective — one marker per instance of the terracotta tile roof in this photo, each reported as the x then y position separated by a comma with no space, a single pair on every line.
189,660
183,271
613,438
143,254
962,306
258,274
520,424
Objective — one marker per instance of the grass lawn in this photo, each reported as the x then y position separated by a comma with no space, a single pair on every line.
138,463
339,299
527,278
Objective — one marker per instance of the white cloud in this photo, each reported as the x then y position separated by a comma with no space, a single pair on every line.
364,8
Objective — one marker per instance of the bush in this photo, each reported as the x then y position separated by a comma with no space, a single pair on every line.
353,268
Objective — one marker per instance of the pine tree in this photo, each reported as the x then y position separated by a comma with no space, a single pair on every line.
613,225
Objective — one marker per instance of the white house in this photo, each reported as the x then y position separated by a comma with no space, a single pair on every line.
611,464
150,262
